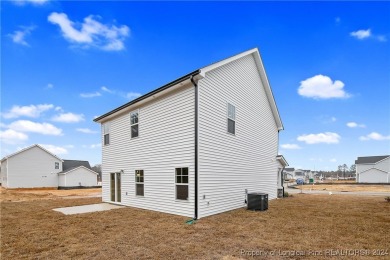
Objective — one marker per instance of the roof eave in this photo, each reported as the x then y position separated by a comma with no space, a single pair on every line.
117,110
263,76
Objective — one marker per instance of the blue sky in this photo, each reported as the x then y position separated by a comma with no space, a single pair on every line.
328,63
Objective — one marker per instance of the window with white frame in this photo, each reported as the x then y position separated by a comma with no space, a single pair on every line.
56,165
106,133
139,182
181,175
134,122
231,119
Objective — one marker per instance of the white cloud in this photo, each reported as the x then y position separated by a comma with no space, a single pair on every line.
54,149
40,128
90,95
91,33
27,111
68,118
19,36
374,136
333,119
381,38
105,89
290,146
92,146
361,34
365,34
33,2
354,125
10,136
327,137
132,95
322,87
49,86
333,160
337,19
86,131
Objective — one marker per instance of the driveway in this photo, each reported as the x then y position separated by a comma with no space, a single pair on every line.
364,193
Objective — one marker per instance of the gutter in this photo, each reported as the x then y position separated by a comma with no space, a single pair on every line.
166,86
196,147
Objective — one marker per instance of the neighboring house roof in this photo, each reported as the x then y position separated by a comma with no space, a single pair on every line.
28,148
200,73
69,165
76,168
289,169
370,159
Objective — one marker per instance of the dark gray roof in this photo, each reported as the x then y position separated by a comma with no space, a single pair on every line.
370,159
68,165
289,169
166,86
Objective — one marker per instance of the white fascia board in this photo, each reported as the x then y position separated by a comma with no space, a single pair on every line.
64,173
282,160
260,67
32,146
373,169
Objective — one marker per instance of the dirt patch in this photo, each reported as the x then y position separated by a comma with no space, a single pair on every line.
39,194
346,187
303,223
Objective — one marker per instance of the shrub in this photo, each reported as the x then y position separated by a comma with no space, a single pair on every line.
387,199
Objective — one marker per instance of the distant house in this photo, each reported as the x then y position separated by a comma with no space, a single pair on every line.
36,167
288,173
197,145
76,173
373,169
299,174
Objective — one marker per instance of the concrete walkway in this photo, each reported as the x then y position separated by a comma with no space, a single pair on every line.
87,208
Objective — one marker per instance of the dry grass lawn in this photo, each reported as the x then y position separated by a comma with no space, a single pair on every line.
32,230
346,187
38,194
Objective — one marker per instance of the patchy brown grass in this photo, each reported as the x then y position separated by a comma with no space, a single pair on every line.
39,194
346,187
31,230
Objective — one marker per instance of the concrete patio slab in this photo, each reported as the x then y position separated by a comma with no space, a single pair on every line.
87,208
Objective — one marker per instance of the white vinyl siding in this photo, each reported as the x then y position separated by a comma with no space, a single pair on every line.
33,168
158,152
374,173
229,164
78,177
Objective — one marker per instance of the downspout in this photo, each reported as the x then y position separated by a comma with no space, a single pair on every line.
196,147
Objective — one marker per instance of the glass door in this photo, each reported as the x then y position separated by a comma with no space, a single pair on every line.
118,187
115,186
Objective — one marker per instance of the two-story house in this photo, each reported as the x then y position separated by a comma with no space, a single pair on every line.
197,145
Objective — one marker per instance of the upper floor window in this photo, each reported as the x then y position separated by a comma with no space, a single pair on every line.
134,122
106,133
56,165
231,119
181,183
139,182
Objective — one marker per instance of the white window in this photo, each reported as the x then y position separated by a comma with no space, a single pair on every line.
139,182
181,183
231,119
134,121
106,133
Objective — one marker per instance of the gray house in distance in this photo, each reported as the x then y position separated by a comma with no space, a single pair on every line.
195,146
36,167
373,169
